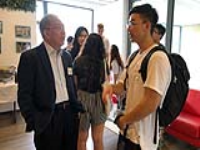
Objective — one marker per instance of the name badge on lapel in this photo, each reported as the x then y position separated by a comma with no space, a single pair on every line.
70,71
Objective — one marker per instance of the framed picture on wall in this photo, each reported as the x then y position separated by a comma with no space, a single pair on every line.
1,27
22,32
22,46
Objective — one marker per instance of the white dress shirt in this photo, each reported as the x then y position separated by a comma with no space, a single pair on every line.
58,72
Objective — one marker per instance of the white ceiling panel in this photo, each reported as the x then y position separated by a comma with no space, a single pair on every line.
84,3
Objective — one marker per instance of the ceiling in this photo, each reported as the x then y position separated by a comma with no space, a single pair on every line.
186,8
84,3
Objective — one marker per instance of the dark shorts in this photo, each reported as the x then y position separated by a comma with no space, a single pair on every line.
95,112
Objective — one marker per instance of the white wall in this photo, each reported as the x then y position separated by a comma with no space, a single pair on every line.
8,54
190,51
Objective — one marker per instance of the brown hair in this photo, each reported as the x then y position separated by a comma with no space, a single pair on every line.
100,25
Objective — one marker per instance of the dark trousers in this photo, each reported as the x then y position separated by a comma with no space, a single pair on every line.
132,146
126,144
61,133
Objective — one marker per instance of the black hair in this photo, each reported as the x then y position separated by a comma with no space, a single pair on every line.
76,46
70,39
94,46
147,12
78,32
161,29
116,55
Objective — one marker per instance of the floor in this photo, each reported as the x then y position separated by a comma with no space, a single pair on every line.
12,136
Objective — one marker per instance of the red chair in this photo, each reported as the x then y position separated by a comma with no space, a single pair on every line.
186,126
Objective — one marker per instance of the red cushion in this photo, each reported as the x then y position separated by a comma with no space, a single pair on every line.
187,124
193,102
193,141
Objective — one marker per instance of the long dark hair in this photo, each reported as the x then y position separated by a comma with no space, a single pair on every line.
116,55
94,46
91,64
76,46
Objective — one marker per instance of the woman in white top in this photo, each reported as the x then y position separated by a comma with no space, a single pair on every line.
116,67
116,63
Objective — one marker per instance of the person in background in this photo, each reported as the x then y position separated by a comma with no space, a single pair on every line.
158,33
116,67
116,63
100,30
89,71
79,39
142,97
70,41
46,90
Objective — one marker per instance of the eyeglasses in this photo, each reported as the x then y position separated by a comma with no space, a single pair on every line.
132,23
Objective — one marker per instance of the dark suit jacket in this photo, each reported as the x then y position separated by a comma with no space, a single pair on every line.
36,87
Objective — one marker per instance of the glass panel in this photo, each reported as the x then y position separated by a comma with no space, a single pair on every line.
187,40
72,17
39,15
38,35
176,38
39,10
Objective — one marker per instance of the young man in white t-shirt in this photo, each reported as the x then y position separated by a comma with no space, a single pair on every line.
143,98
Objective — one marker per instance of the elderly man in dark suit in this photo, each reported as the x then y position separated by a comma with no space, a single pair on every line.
47,95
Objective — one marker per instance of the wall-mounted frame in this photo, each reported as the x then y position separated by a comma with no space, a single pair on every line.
23,32
22,46
1,27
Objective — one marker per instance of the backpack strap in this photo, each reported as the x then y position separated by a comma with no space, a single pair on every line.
155,129
144,64
132,56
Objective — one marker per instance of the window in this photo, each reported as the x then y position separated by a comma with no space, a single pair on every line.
186,17
71,16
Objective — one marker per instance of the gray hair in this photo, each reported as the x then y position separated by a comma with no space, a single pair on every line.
45,22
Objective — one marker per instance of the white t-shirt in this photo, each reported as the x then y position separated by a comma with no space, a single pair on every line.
106,44
115,67
158,79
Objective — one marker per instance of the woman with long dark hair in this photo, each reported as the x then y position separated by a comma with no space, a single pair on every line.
89,71
79,39
116,63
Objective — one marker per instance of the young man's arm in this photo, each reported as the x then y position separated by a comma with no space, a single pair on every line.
147,105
